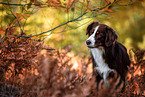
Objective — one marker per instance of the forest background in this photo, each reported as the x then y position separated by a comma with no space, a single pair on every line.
56,30
35,17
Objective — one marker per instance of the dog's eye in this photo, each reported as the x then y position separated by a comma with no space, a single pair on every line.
100,34
92,32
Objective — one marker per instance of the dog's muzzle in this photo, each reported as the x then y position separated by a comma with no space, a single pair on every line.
88,42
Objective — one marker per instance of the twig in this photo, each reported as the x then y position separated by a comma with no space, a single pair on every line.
18,4
76,19
54,27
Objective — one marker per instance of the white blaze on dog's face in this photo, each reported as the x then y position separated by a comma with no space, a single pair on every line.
90,42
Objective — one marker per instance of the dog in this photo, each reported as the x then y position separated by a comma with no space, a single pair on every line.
107,53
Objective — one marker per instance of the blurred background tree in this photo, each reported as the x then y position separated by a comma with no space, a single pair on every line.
62,23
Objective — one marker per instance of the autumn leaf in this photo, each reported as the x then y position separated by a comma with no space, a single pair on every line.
22,49
87,10
27,15
69,2
22,16
18,16
2,31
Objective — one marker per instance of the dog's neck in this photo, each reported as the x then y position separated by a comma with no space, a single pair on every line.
101,67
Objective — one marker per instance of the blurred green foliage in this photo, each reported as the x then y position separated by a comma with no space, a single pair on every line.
130,25
127,19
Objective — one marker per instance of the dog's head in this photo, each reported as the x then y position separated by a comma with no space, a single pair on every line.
100,35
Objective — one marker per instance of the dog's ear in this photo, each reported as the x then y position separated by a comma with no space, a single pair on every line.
111,36
91,26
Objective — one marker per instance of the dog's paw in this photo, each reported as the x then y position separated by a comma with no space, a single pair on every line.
112,74
110,77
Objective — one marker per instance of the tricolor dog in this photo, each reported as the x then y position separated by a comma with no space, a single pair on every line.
107,54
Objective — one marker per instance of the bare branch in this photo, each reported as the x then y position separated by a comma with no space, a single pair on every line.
76,19
18,4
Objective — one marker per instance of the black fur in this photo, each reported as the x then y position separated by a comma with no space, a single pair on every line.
117,58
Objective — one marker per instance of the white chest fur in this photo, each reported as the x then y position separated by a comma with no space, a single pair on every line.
102,67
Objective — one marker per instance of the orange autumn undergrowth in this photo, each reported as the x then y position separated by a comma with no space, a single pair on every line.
30,68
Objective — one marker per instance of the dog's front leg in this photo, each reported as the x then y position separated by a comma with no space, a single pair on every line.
104,73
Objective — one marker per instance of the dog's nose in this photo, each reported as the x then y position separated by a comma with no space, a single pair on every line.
88,42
